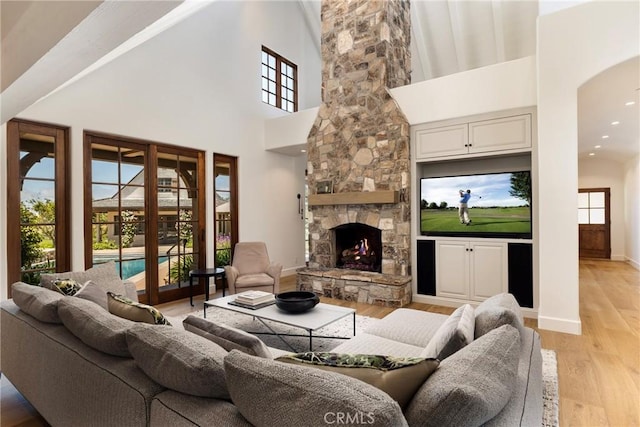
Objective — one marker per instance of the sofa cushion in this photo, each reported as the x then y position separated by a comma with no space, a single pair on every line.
67,287
413,327
123,307
94,326
270,393
498,310
471,386
179,360
399,377
364,343
452,335
227,337
38,302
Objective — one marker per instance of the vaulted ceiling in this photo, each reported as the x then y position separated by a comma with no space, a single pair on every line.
448,36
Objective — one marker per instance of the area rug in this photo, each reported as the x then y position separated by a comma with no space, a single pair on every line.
550,417
344,328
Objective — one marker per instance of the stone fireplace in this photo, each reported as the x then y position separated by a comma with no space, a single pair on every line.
360,143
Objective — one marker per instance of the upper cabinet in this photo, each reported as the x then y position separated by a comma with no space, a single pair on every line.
500,135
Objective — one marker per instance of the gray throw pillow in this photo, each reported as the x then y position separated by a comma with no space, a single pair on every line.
271,393
105,275
179,360
452,335
91,291
471,386
37,302
95,327
498,310
227,337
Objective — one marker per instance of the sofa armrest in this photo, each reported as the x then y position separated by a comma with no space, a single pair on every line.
274,270
231,273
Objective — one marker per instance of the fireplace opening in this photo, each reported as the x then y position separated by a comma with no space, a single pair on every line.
358,247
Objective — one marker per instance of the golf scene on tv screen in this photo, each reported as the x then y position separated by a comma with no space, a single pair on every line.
481,205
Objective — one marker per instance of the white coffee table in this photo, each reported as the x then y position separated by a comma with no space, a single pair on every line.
318,317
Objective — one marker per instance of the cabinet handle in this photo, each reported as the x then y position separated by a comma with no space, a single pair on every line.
471,250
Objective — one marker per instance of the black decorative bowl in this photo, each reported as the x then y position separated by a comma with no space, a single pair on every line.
296,301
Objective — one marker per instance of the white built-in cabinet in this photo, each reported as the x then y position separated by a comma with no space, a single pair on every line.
471,270
503,135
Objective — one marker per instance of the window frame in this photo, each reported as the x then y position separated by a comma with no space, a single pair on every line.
279,61
62,185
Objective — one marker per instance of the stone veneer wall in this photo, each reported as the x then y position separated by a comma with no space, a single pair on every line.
360,139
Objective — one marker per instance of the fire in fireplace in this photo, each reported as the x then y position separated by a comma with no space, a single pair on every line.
358,247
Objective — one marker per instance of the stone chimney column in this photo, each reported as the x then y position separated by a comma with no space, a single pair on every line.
360,139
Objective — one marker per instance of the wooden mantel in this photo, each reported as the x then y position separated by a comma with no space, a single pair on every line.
354,198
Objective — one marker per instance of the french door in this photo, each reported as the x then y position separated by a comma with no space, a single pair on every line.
144,210
38,232
225,207
594,222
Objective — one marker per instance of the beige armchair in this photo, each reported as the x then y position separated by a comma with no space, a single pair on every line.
252,270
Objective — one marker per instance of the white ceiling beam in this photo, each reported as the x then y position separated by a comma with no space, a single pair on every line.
420,41
107,27
312,18
498,30
457,31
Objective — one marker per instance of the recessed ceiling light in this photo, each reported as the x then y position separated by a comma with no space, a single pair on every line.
614,123
630,103
592,154
598,146
303,151
605,136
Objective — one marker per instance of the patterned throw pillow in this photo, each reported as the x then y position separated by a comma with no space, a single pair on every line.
126,308
399,377
68,287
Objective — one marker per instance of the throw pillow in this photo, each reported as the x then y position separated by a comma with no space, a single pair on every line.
227,337
452,335
179,360
399,377
471,386
91,291
270,393
498,310
67,287
105,275
128,309
37,302
94,326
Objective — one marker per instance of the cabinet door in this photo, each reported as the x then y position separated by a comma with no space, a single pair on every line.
488,269
441,142
452,271
507,133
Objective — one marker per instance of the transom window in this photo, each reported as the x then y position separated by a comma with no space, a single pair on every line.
279,81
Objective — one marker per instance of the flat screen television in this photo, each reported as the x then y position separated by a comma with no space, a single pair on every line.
498,205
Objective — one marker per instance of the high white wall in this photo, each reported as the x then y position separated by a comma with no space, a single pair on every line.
632,211
573,45
604,173
198,85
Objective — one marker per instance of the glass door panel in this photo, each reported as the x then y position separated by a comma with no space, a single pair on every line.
225,220
37,205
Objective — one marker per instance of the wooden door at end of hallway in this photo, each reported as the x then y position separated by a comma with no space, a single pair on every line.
594,222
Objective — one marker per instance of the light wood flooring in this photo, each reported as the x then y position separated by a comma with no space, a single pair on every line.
598,371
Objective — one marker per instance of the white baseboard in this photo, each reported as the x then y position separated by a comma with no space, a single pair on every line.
618,258
290,271
635,264
560,325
